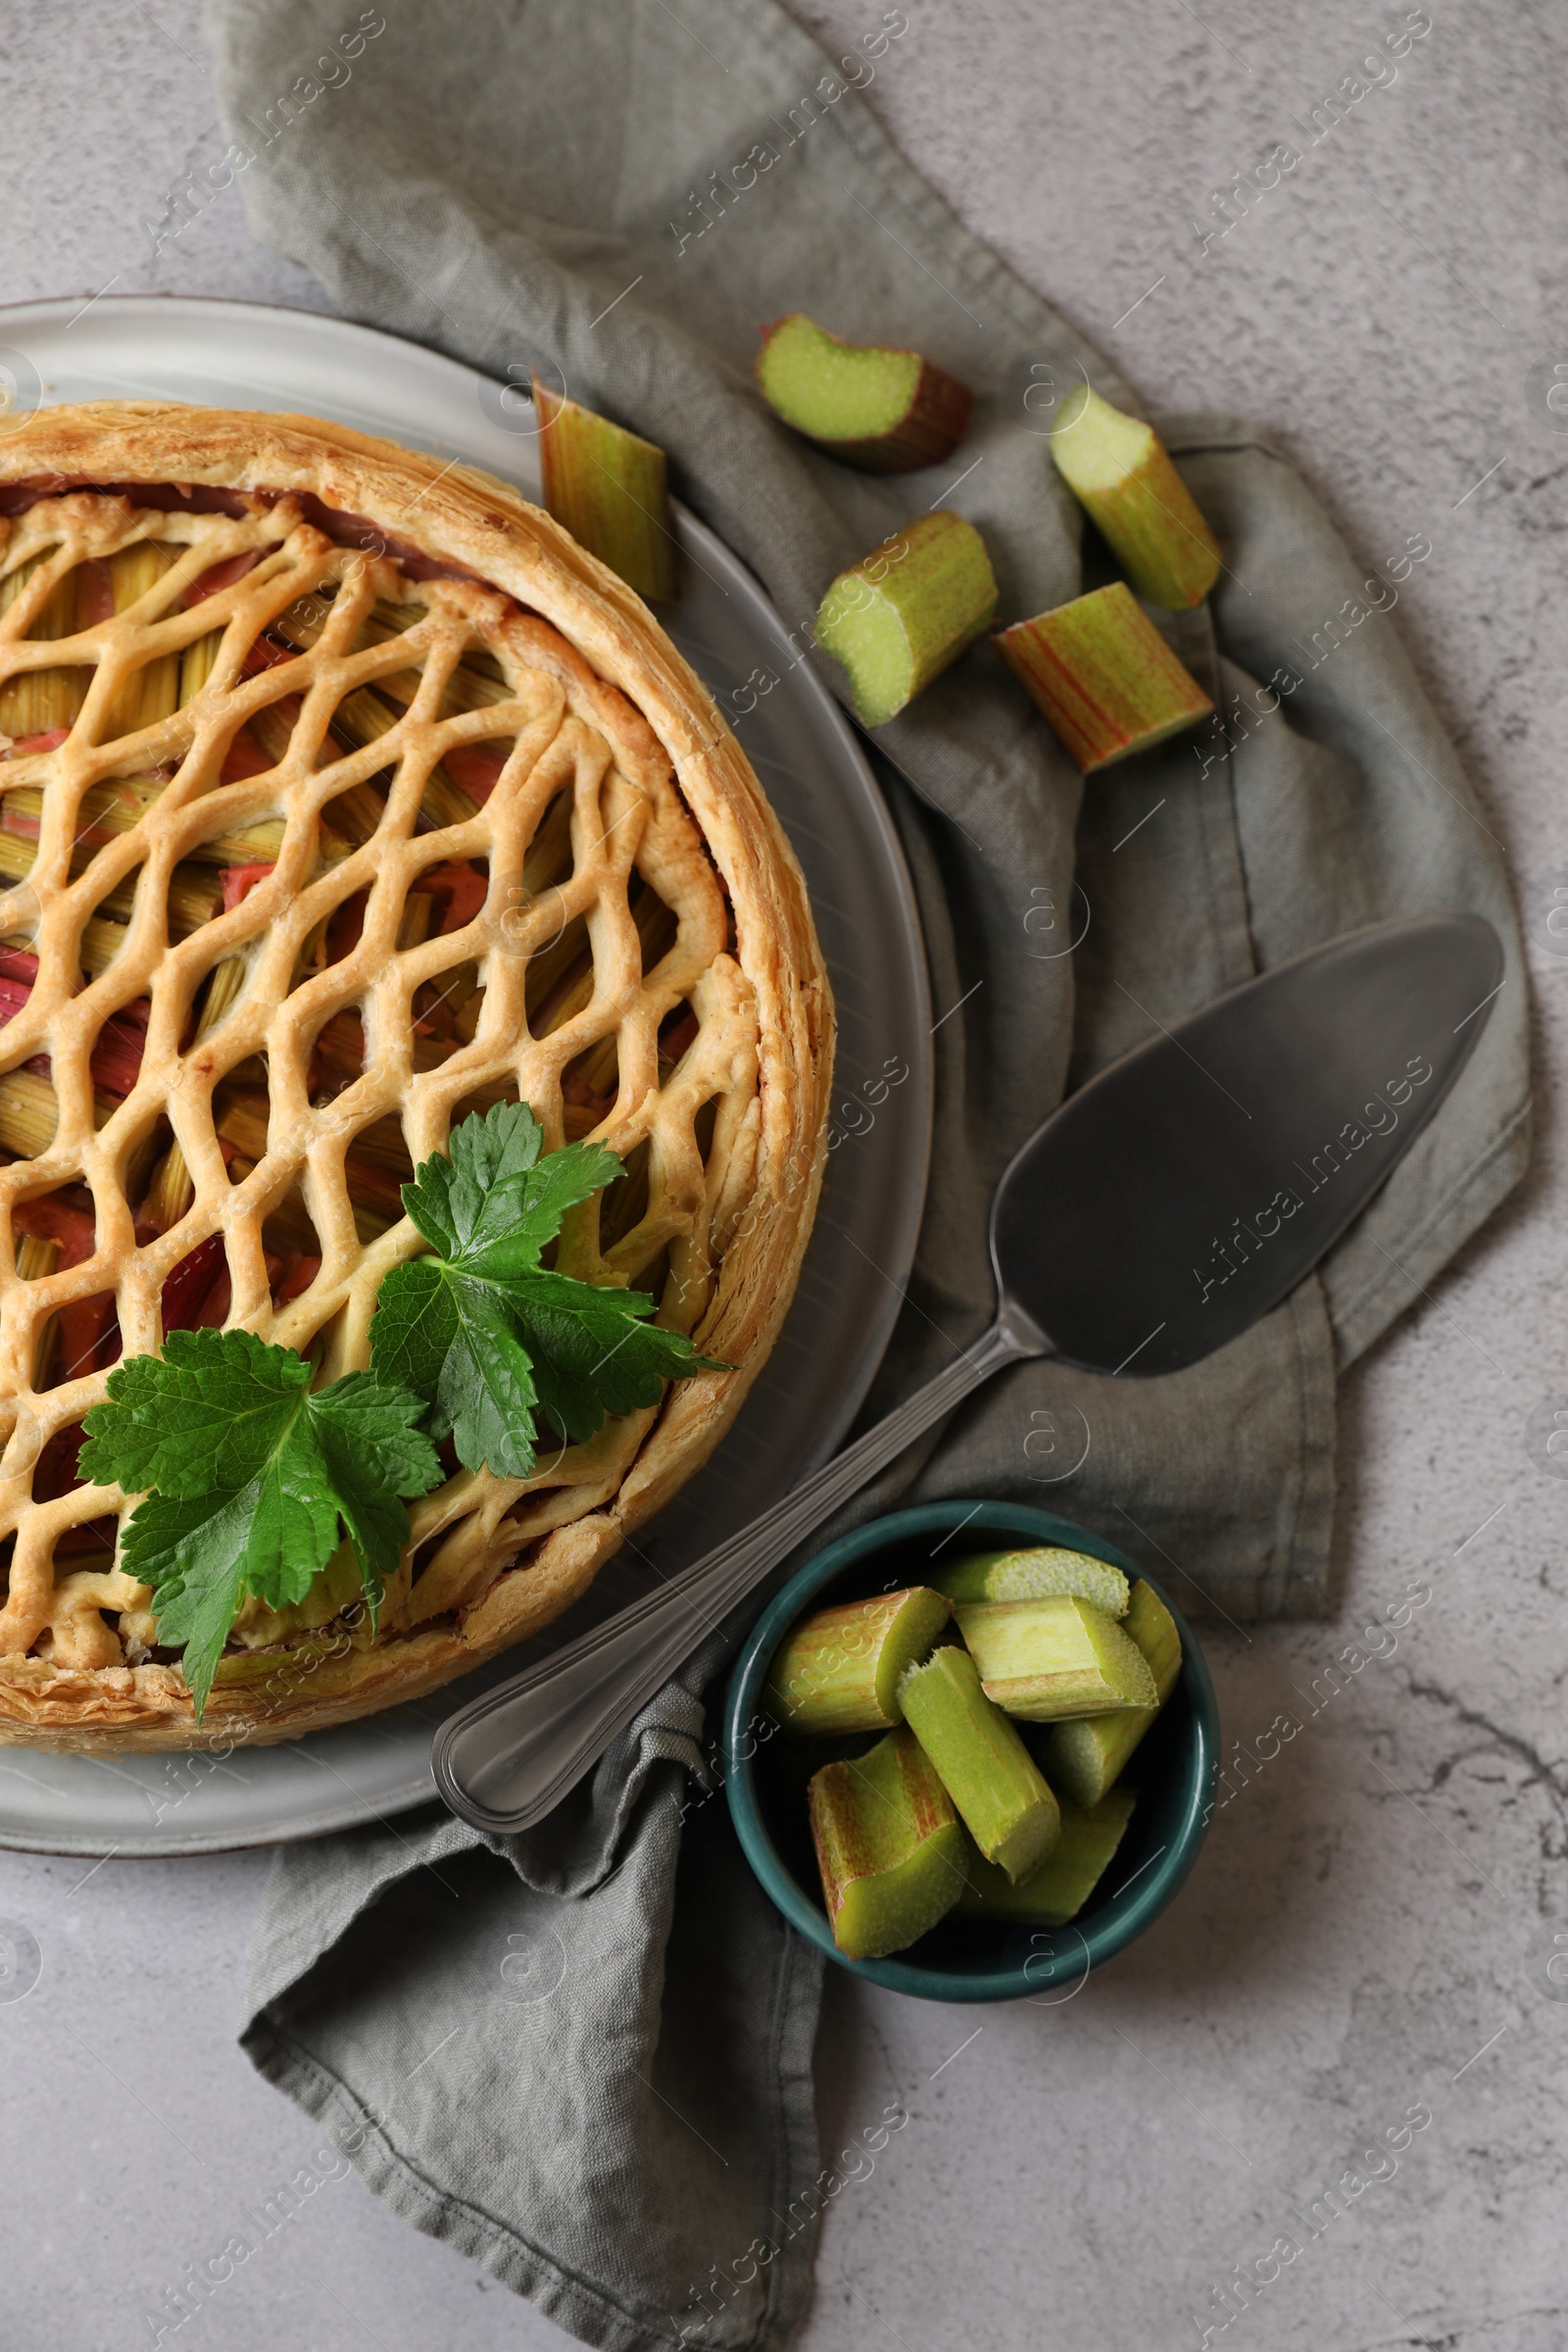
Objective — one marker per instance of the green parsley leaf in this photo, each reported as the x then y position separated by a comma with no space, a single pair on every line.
249,1480
593,1354
493,1205
483,1333
448,1336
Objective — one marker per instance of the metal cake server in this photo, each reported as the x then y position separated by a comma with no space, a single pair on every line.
1164,1209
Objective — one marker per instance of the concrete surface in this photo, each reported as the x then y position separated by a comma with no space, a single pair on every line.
1369,1936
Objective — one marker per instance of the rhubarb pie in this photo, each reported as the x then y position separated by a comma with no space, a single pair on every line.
342,794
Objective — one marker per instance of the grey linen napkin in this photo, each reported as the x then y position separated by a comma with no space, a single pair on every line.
584,2056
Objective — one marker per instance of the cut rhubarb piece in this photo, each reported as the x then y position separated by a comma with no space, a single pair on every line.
888,1844
189,1285
839,1671
990,1775
1085,1757
152,692
1037,1575
220,575
1063,1882
1119,472
116,1062
245,756
49,741
608,487
1104,677
115,807
462,890
1041,1659
171,1191
41,702
885,410
898,617
28,1114
71,1231
476,769
364,718
240,881
294,1278
39,1246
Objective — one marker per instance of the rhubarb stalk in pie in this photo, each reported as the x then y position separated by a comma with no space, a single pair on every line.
343,797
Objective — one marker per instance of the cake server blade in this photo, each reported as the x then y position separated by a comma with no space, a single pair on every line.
1163,1211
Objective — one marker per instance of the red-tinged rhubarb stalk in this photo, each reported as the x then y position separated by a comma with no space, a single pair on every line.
889,1847
240,880
839,1671
984,1765
1084,1756
190,1284
121,1041
608,488
1041,1659
1104,677
295,1278
170,1192
89,1337
70,1234
885,410
220,575
117,1055
95,592
244,757
476,769
49,741
1059,1888
462,890
895,619
266,653
48,1218
1117,468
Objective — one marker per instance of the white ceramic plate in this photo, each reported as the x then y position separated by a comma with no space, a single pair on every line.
241,356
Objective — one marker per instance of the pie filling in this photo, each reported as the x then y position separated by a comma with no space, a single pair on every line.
309,848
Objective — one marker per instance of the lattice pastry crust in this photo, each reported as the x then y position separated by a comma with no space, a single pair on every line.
342,793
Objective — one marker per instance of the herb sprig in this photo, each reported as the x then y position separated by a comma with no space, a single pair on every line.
251,1481
484,1333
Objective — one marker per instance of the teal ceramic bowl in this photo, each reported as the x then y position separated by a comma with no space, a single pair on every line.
968,1960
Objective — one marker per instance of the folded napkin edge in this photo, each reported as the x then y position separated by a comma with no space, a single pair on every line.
565,2298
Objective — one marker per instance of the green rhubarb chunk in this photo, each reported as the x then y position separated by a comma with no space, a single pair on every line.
1118,469
888,1844
1063,1882
1041,1659
606,487
898,617
1083,1758
985,1767
839,1671
885,410
1104,677
1035,1575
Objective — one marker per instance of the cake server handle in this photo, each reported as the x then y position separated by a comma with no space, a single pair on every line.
507,1759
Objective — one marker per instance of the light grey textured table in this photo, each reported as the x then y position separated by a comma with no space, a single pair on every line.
1365,1933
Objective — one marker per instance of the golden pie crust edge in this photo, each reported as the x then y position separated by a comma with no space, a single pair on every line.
459,514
